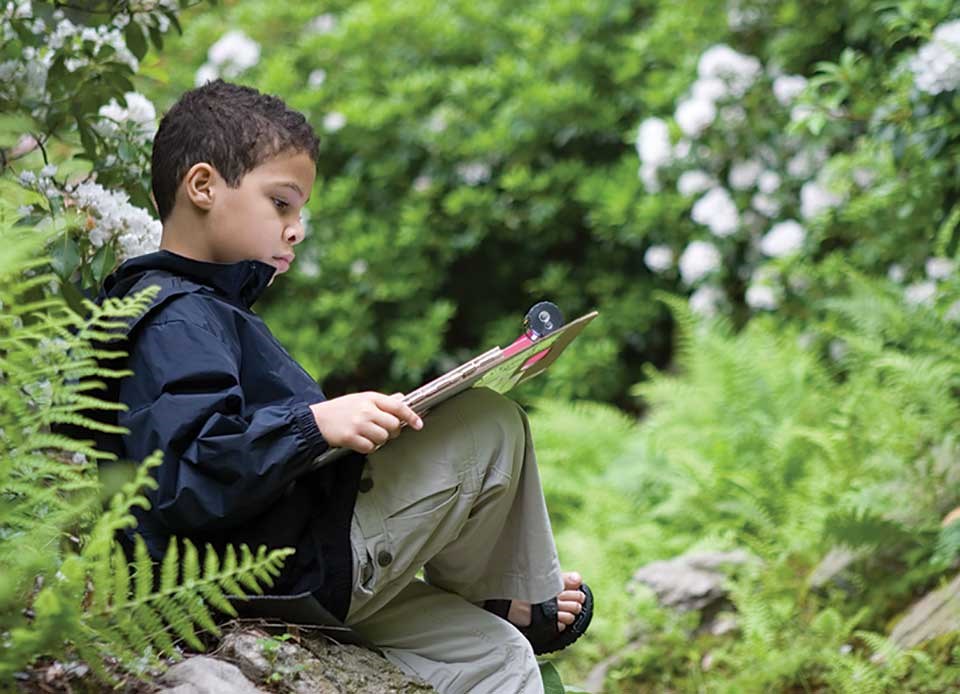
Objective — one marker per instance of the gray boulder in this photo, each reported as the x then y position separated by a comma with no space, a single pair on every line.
692,581
312,664
205,675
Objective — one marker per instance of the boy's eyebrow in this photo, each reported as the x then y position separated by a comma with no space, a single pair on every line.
291,184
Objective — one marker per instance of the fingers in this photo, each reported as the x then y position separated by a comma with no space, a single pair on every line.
386,421
374,433
395,406
572,580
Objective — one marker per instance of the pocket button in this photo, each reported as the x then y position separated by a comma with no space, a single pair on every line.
366,484
384,558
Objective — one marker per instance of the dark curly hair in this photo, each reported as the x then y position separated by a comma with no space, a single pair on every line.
232,128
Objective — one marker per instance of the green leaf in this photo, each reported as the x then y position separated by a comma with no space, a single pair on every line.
552,684
103,262
65,257
87,138
156,36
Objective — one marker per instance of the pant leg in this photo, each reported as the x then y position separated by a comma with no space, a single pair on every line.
461,497
452,644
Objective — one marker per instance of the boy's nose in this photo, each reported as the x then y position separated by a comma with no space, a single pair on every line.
294,233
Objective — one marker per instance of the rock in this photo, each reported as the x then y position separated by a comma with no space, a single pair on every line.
249,649
723,624
833,565
691,581
205,675
598,675
935,614
312,664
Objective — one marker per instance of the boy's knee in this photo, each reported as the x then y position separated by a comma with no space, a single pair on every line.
489,406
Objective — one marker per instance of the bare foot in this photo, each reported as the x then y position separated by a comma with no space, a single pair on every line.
569,604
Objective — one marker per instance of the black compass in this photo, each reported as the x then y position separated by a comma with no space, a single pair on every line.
542,319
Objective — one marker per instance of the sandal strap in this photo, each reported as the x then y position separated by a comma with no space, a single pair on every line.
501,608
543,622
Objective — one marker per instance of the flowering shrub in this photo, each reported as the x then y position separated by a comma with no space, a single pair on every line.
464,153
453,141
67,84
780,170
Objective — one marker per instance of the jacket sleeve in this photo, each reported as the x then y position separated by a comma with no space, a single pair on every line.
222,464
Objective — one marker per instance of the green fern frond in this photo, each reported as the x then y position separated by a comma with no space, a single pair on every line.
948,545
179,606
864,528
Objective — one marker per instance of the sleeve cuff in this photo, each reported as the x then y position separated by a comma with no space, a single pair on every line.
306,424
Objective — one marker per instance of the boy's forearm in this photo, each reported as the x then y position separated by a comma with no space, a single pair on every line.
231,470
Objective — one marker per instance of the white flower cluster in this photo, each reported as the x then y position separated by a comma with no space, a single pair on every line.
110,216
739,71
323,24
139,111
654,150
762,297
334,121
233,53
694,181
815,199
658,258
707,300
920,293
474,173
741,17
42,182
717,211
936,67
786,88
25,77
698,260
69,36
925,291
783,239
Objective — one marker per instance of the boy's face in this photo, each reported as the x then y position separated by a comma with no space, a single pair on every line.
260,219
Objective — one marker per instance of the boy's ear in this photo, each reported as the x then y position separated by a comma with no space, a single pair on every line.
199,185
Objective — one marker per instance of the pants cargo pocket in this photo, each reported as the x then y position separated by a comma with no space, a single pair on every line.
417,531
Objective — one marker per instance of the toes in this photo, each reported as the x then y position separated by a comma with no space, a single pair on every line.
572,596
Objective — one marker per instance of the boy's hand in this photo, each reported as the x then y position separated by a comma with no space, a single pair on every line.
363,421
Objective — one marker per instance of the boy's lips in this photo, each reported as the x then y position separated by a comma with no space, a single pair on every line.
283,262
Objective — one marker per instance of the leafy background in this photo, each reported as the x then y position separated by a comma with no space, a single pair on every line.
478,157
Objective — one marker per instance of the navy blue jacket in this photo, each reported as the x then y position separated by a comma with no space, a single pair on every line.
229,407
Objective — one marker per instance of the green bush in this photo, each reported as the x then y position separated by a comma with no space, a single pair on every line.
762,441
479,158
460,177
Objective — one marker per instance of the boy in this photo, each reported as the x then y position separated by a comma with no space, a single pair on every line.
241,423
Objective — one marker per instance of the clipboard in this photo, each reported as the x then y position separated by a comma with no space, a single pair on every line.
545,337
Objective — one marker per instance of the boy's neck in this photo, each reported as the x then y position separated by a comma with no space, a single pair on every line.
184,238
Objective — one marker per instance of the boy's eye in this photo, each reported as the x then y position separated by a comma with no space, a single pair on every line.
280,204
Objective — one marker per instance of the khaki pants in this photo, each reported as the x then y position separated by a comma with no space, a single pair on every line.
461,499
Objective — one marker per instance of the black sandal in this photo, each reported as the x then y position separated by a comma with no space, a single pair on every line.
543,633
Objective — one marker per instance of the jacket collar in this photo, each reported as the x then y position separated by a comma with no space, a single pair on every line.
243,282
